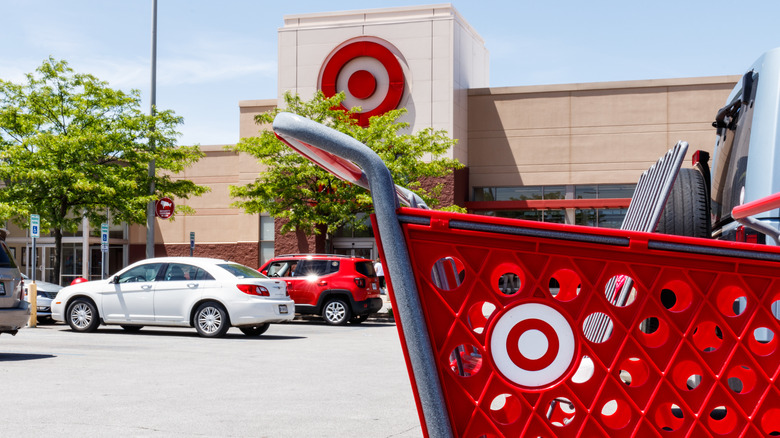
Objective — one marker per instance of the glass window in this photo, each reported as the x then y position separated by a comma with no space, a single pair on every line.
183,272
6,261
241,271
316,267
142,273
285,268
586,192
365,268
554,192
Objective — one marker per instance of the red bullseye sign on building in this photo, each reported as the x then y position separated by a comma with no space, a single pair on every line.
163,208
369,74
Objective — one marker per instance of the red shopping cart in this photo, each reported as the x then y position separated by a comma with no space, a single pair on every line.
510,327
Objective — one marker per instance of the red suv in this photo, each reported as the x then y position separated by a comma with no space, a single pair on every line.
340,288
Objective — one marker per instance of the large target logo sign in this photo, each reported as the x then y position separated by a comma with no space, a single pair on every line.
532,345
369,74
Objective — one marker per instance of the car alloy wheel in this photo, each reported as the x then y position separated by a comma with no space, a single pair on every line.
82,316
211,320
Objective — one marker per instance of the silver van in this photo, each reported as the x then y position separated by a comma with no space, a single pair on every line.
14,310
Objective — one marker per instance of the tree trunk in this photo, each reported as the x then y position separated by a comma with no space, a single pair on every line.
57,254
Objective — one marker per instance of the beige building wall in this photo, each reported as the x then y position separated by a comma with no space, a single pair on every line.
595,133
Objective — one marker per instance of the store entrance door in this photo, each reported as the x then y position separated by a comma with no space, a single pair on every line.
355,247
44,263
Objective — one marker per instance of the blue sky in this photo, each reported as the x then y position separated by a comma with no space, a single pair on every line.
210,55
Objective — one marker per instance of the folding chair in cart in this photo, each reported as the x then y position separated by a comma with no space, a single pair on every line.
513,328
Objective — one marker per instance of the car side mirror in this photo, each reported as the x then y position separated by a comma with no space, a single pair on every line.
115,279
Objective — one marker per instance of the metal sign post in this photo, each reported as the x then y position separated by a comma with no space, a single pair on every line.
35,233
104,250
192,242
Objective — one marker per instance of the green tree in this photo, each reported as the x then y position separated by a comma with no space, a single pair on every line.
70,146
313,200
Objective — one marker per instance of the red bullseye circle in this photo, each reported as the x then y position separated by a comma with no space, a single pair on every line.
532,345
362,84
369,49
520,359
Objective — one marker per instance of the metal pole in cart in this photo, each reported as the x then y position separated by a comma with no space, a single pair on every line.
385,196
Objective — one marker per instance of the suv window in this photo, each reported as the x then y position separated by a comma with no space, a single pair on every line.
6,261
316,267
728,176
365,268
284,268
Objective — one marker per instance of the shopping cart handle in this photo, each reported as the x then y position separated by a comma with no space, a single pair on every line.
742,214
307,137
755,207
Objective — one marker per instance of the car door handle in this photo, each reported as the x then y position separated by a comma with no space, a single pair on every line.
146,286
192,285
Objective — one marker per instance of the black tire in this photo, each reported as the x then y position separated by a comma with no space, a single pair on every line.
687,211
211,320
82,316
255,330
131,328
336,312
358,319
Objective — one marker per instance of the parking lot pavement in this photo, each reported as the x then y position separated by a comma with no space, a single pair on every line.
302,378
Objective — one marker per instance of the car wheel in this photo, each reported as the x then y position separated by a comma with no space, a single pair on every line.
211,320
357,319
255,330
132,328
83,316
336,312
687,211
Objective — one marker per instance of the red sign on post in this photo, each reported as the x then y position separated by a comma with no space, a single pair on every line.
163,208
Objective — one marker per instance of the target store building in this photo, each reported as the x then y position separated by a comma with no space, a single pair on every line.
568,153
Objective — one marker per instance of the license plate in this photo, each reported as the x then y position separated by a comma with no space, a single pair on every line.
282,308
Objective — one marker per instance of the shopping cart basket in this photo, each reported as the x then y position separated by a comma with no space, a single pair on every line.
496,318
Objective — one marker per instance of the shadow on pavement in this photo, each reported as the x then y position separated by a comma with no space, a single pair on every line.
16,357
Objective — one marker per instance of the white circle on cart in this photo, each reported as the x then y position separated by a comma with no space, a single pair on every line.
533,344
544,349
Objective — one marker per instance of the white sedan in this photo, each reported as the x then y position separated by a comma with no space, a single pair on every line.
210,294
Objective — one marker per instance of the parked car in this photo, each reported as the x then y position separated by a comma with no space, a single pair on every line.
14,311
339,288
209,294
46,293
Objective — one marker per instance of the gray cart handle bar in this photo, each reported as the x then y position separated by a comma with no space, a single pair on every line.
344,157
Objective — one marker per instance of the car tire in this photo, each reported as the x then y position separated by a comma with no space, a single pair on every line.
211,320
358,319
131,328
255,330
83,316
336,312
687,211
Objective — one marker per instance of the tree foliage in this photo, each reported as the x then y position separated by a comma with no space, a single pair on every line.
310,198
70,146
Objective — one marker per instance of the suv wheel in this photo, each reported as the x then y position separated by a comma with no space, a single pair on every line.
336,312
357,319
686,212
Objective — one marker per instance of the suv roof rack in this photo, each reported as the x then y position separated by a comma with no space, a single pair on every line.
314,254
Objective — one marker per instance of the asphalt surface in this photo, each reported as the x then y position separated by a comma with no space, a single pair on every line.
299,379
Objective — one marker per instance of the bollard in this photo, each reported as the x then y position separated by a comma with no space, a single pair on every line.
33,291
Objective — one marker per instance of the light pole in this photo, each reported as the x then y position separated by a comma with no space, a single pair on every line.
153,102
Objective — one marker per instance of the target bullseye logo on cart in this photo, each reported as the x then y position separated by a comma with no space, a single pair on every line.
532,345
370,75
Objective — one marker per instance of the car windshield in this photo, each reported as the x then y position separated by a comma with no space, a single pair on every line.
6,261
241,271
365,268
